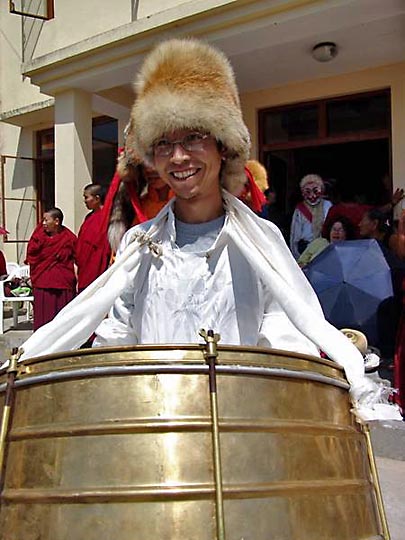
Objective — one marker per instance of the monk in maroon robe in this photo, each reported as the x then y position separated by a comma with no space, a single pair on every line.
93,250
51,255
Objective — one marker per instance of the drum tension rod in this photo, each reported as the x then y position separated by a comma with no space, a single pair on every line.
7,408
211,355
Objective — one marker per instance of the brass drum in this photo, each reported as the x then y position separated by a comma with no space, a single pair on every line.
117,443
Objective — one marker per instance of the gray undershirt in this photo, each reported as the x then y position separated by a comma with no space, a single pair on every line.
196,237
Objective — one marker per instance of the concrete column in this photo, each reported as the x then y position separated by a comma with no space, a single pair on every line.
73,153
398,138
122,124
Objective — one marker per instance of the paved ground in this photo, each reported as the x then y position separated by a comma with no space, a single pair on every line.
388,442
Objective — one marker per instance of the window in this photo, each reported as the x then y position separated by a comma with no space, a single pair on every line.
37,9
327,121
366,113
105,146
291,124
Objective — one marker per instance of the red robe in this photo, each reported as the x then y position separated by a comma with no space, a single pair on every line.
350,210
151,203
399,358
93,250
3,267
51,260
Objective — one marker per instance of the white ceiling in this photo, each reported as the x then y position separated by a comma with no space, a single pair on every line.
267,47
278,51
275,51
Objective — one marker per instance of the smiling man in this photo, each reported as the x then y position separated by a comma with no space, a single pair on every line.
186,123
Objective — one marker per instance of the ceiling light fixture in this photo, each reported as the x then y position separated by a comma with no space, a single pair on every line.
325,51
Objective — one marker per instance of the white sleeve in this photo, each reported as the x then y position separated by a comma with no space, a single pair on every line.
278,332
295,234
116,329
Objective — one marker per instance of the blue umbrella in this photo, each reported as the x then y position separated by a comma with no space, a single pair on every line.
352,280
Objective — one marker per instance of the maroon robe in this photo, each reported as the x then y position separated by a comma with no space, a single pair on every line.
3,267
93,250
51,260
399,358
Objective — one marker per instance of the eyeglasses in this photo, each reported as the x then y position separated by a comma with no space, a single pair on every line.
193,142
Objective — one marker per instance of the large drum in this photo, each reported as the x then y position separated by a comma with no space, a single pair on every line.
117,443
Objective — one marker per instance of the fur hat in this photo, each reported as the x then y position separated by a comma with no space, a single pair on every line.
188,84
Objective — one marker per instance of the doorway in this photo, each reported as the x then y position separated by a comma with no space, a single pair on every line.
346,140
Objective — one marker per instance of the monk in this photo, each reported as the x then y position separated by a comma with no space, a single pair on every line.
51,254
93,250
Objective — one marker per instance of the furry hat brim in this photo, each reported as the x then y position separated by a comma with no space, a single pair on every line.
188,84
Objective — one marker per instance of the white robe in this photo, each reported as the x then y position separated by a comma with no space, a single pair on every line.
301,228
172,298
283,310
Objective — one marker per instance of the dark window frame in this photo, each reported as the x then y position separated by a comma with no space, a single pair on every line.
323,137
50,11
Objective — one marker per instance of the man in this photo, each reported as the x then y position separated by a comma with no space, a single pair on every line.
197,142
51,255
206,260
309,215
93,251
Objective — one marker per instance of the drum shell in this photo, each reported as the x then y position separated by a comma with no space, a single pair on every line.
117,443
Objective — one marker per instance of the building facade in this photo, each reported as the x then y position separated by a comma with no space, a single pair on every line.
66,91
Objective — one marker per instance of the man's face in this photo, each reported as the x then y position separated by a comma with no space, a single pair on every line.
312,193
367,226
191,173
91,201
50,224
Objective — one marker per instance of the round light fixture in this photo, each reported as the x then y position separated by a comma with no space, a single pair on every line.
325,51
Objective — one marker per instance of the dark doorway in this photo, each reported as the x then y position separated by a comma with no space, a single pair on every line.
345,138
357,169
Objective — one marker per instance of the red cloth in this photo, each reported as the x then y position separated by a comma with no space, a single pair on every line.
152,204
305,211
3,267
48,302
399,358
251,195
351,210
258,200
51,259
109,200
93,250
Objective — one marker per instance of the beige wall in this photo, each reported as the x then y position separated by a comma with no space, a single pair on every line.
15,90
19,182
150,7
392,77
77,20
